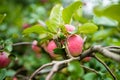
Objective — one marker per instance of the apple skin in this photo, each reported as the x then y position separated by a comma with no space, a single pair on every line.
4,60
86,59
69,28
75,44
36,48
50,48
26,25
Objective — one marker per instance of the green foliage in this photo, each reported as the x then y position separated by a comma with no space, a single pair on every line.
111,11
87,28
69,10
35,29
2,17
2,73
55,19
90,76
59,50
76,71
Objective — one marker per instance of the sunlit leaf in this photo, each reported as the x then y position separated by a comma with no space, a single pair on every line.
55,18
87,28
35,29
69,10
112,11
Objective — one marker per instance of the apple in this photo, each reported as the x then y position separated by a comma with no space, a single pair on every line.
75,44
36,48
50,48
4,59
69,28
26,25
86,59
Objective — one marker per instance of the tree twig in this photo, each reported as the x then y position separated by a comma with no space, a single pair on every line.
40,68
90,69
22,43
108,69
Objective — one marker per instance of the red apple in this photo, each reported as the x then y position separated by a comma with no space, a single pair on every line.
75,44
86,59
36,48
69,28
50,48
26,26
4,60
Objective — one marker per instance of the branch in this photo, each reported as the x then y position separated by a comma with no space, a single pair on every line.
22,43
42,67
90,69
107,53
108,69
114,49
56,64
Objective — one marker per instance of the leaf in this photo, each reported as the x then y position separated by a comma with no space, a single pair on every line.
87,28
101,34
75,69
59,50
55,18
2,74
8,45
90,76
2,17
112,11
68,11
35,29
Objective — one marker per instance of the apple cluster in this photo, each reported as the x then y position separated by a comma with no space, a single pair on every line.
74,43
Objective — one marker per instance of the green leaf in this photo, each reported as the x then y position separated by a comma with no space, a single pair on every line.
101,35
75,69
90,76
59,50
2,74
35,29
87,28
2,17
68,11
8,45
112,11
55,18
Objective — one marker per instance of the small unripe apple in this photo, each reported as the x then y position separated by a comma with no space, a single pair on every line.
69,28
4,59
26,25
50,48
86,59
36,48
75,44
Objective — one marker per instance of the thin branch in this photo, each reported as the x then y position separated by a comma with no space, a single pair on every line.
22,43
40,68
67,50
108,69
90,69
